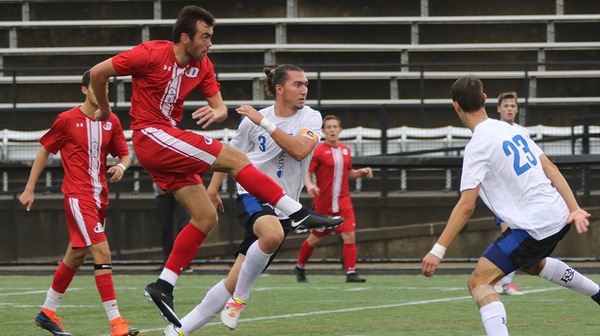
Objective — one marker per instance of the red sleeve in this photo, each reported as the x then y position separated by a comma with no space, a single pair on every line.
118,145
314,161
209,85
54,139
132,61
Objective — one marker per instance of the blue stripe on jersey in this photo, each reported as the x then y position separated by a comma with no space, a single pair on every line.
251,204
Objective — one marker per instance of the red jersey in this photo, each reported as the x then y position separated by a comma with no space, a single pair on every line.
84,144
331,166
160,84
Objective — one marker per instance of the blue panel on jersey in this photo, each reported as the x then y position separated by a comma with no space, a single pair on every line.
251,203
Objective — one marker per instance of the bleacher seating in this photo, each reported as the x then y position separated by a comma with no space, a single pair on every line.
530,41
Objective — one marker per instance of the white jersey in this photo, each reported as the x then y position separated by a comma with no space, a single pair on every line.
513,185
266,155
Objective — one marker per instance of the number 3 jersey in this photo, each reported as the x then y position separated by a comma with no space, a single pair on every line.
514,186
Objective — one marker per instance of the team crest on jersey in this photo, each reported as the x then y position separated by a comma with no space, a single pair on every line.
107,126
208,140
192,72
344,151
99,228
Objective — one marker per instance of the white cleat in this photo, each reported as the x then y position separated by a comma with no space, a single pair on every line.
230,315
172,330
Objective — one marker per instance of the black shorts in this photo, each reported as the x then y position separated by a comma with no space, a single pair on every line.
516,249
248,209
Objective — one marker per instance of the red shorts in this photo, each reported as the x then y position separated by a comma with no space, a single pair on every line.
349,224
175,158
85,221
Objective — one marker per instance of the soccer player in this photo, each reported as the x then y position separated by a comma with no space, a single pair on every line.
502,163
332,166
84,144
163,74
283,152
508,108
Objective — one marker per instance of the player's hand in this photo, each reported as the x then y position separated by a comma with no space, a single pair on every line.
429,265
251,113
26,198
216,201
117,173
206,115
313,190
367,172
102,115
580,219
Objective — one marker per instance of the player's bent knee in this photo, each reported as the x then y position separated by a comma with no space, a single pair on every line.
482,292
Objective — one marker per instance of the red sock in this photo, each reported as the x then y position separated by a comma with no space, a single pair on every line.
305,252
185,248
259,185
349,253
106,288
62,278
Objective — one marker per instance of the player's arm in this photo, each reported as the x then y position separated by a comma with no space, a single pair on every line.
215,111
213,190
298,146
458,218
577,216
311,187
362,172
27,196
99,76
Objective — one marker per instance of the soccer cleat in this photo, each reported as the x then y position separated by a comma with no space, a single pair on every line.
510,289
498,288
47,319
306,219
300,276
119,327
164,302
172,330
353,277
231,313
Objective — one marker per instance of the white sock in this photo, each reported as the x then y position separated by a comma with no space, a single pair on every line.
493,317
255,263
561,274
111,309
169,276
52,299
207,309
288,205
507,279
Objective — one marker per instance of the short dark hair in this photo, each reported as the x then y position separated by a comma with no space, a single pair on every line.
468,93
85,79
187,19
331,117
507,95
277,76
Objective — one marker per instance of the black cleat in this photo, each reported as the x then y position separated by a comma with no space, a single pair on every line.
306,219
353,277
164,302
53,324
300,276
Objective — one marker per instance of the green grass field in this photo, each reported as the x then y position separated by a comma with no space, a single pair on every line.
384,305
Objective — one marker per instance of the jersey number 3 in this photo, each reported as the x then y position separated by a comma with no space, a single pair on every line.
518,148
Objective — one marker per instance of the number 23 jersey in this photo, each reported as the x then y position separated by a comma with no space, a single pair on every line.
514,186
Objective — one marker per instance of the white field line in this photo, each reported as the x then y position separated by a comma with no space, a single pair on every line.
411,303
